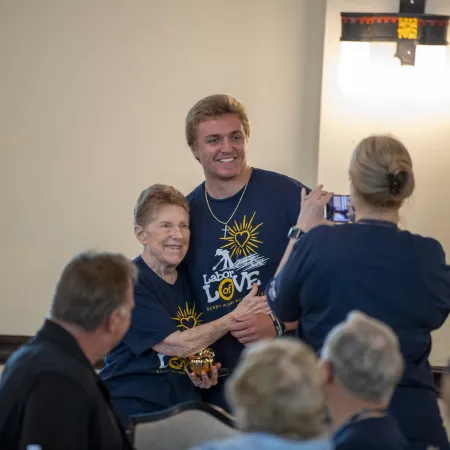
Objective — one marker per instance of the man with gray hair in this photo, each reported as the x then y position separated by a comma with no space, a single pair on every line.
50,395
360,365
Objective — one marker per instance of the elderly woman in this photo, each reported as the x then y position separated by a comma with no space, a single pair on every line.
275,393
372,265
146,371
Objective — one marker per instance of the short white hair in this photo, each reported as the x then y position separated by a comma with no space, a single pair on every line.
276,389
365,355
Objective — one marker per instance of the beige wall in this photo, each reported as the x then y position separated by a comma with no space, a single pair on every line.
94,95
404,107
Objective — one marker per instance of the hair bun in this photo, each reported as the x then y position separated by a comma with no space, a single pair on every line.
396,181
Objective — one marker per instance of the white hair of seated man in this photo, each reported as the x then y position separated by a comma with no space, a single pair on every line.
363,356
276,389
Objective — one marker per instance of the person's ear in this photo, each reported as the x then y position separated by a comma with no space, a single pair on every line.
326,372
195,152
140,234
113,321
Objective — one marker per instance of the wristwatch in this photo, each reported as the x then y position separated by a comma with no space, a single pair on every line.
295,233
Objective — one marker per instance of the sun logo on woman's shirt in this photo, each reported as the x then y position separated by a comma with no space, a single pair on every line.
187,318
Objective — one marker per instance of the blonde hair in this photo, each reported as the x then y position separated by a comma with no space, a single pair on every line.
155,197
276,389
381,171
214,106
365,354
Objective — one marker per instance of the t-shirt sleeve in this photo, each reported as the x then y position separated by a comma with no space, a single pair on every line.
151,322
283,290
56,415
439,281
293,201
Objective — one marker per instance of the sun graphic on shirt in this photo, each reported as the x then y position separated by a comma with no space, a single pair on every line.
187,318
242,239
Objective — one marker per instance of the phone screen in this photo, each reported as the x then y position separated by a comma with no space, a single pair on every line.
339,209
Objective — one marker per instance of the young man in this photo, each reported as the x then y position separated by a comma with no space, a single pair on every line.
240,219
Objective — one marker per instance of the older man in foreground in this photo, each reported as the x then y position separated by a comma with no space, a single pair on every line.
50,395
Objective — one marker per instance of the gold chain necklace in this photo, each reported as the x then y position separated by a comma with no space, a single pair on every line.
235,209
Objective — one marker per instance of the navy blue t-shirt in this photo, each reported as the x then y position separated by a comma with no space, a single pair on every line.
222,268
381,433
395,276
135,371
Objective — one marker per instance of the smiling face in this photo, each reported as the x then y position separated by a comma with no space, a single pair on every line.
166,236
221,146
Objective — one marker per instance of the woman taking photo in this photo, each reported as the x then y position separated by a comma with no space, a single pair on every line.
373,266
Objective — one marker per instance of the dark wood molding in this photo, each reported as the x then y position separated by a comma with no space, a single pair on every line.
438,372
10,343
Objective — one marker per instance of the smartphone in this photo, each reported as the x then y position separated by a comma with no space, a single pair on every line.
339,209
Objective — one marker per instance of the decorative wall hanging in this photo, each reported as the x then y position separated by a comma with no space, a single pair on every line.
409,28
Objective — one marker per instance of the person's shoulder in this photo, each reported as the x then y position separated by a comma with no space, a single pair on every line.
222,444
279,179
361,436
147,280
427,246
316,239
36,356
58,381
195,194
428,242
366,441
54,385
238,442
145,273
323,231
138,262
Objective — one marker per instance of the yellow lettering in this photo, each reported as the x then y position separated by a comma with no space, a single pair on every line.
226,289
176,363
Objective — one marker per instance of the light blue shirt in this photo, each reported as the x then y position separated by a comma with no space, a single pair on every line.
263,441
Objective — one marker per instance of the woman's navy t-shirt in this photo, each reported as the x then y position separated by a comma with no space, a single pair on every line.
135,371
392,275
